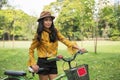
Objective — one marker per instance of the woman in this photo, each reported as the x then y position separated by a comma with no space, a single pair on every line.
46,42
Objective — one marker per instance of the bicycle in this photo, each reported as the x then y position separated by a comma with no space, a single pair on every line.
19,75
73,73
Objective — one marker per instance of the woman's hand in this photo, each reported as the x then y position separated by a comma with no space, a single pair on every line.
80,49
83,50
35,68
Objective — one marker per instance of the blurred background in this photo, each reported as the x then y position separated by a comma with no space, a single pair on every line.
76,19
93,24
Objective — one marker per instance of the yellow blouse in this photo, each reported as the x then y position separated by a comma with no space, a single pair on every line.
45,48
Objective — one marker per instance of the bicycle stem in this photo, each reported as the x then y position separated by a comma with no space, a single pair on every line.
69,63
69,60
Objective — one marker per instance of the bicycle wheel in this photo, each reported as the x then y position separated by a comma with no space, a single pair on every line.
11,79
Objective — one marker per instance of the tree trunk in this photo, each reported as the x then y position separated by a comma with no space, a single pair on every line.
3,41
13,40
95,50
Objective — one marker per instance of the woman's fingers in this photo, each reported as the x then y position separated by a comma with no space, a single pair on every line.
35,68
83,50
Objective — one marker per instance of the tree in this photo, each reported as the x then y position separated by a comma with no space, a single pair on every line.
2,3
73,16
2,24
16,24
108,24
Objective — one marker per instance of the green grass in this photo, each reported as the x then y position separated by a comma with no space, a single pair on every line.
105,65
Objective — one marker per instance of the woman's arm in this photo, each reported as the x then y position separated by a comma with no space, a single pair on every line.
34,44
78,48
72,46
32,61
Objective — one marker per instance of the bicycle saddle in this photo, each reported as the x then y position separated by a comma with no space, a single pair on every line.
15,73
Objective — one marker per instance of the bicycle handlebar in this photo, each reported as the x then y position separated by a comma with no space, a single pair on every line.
59,57
73,58
32,71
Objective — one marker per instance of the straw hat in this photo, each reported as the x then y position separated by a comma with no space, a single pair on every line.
45,14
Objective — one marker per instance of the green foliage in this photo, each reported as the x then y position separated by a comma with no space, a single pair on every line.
2,3
74,16
2,23
108,23
79,14
17,23
114,35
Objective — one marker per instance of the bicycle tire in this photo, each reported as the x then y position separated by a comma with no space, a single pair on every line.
11,79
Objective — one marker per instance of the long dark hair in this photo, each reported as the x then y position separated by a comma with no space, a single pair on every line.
52,35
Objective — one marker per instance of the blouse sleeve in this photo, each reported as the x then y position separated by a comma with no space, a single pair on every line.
67,42
34,44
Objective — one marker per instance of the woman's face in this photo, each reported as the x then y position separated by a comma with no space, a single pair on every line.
47,22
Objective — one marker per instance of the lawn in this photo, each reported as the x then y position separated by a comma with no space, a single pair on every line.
105,65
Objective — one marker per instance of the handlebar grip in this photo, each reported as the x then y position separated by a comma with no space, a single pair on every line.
80,52
32,71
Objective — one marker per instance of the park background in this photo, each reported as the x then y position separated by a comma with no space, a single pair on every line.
93,24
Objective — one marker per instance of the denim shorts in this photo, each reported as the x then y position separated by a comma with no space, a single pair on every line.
50,67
